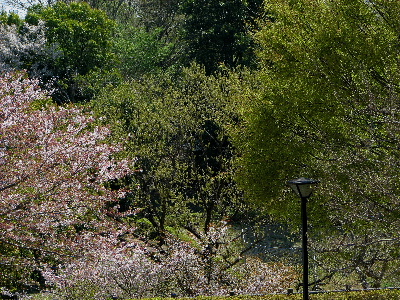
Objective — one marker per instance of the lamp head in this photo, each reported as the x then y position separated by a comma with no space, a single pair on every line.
302,186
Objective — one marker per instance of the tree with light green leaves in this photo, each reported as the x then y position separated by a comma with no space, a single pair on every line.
141,52
183,186
173,126
328,108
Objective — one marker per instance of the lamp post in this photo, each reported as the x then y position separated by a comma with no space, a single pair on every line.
303,188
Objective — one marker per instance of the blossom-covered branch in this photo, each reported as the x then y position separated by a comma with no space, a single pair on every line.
53,163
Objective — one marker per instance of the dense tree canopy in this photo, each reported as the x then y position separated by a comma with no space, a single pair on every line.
217,32
141,52
184,183
82,35
203,95
329,109
180,146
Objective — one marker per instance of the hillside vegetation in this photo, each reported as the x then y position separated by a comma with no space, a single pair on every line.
145,147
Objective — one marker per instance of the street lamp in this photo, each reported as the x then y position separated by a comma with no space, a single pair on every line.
303,188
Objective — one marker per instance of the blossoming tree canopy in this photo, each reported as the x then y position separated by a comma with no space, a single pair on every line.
53,163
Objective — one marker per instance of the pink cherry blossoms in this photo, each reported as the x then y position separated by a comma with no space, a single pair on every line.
53,163
134,270
56,217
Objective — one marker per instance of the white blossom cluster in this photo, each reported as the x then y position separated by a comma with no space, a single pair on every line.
26,47
138,271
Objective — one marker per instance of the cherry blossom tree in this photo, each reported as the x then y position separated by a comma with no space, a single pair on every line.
60,224
53,163
135,270
25,47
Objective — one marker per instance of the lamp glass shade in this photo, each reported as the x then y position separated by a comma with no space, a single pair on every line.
302,186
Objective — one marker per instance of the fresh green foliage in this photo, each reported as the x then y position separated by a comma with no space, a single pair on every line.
321,75
10,18
328,111
147,38
173,126
141,52
82,35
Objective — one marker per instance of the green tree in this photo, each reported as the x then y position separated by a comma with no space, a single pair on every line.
217,32
327,109
10,18
163,21
160,14
148,36
173,126
82,35
141,52
122,11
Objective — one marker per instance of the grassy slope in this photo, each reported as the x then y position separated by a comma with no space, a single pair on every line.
367,295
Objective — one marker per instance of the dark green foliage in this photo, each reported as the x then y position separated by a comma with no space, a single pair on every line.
147,39
162,21
141,52
120,11
217,32
155,14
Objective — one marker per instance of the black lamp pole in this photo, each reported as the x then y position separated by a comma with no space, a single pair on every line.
305,247
302,187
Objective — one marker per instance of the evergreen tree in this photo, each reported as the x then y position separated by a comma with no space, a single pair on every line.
217,32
